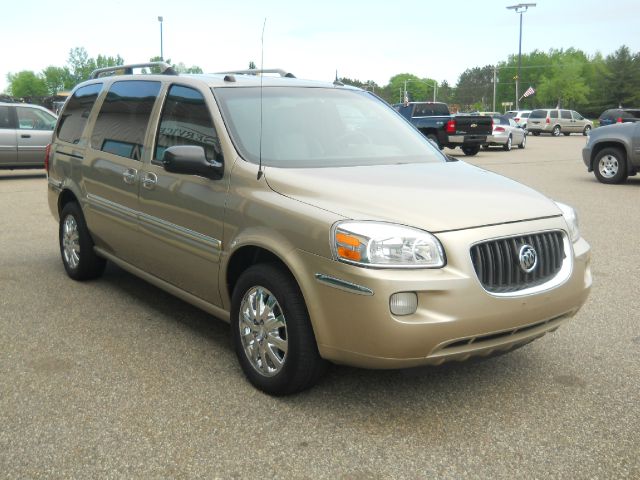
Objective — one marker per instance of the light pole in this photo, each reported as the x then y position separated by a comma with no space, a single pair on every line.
161,52
520,8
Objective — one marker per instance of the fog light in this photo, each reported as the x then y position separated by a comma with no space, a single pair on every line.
403,303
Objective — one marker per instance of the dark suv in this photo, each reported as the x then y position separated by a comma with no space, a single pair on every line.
619,115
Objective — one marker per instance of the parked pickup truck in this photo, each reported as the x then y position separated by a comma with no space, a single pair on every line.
435,121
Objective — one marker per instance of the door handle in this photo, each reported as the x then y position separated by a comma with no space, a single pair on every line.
129,176
25,135
149,180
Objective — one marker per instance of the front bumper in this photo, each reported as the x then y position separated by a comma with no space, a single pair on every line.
456,318
586,158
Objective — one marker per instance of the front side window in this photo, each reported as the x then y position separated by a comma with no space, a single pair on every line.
186,120
122,122
319,127
35,119
565,114
577,116
75,114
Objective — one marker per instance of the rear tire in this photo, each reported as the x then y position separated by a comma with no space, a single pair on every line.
76,245
587,130
610,166
507,146
556,131
272,333
434,138
471,151
566,134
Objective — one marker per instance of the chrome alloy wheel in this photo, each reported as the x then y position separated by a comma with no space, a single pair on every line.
608,166
71,242
263,331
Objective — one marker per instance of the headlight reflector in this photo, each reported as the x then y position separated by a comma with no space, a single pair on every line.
386,245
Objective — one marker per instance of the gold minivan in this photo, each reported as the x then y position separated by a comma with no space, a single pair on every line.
310,216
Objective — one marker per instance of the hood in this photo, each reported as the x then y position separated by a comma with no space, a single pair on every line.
433,196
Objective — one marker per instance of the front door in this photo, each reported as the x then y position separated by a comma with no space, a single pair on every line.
35,128
181,219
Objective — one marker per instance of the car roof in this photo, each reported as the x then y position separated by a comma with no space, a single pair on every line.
236,78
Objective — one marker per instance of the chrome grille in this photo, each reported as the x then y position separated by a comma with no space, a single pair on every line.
497,262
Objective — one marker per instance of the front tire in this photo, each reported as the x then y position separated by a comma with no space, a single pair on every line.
272,333
610,166
524,142
471,151
76,245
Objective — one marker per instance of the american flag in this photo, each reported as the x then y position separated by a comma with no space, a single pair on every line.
530,91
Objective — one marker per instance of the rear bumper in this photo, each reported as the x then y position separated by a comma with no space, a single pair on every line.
459,140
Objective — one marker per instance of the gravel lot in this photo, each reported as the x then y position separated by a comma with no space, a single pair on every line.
116,379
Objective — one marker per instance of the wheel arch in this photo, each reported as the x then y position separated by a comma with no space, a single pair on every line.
65,197
598,147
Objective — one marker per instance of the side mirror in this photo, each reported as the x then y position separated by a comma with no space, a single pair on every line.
191,160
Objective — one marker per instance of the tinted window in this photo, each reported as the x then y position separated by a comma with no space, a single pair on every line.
538,114
553,114
35,119
524,115
577,116
122,122
565,114
75,114
5,118
185,120
430,109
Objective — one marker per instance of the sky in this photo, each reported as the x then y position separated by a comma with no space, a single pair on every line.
362,40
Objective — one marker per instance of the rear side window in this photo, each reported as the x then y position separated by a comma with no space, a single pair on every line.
525,115
554,114
122,122
430,110
5,118
75,114
538,114
186,120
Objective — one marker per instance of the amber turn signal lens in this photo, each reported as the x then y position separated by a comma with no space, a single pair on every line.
348,254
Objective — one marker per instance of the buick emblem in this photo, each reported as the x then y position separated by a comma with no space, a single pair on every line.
528,258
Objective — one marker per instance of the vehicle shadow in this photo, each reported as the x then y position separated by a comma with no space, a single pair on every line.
22,175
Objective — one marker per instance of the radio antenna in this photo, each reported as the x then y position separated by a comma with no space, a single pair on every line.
261,79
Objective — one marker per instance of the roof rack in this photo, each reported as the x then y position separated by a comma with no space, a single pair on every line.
165,69
252,71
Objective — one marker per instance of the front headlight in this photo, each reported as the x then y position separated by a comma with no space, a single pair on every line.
571,217
385,245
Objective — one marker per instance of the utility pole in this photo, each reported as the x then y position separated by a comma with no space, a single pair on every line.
495,70
161,51
520,8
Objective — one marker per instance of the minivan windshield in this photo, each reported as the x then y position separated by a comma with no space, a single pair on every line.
319,127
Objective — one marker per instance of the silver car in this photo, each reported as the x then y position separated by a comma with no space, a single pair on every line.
556,122
25,132
506,133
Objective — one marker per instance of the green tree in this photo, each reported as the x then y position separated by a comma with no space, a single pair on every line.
418,89
26,84
475,86
564,83
80,64
57,79
622,81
